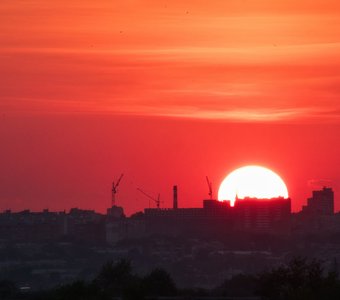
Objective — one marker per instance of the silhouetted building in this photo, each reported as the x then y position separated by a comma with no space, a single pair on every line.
45,226
119,227
250,214
85,225
317,217
262,215
115,212
31,226
321,203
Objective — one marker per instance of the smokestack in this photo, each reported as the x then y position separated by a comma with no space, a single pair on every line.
175,206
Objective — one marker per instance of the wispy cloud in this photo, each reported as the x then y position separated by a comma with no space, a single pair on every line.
238,115
219,62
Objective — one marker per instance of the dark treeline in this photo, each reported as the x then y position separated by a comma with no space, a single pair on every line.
300,279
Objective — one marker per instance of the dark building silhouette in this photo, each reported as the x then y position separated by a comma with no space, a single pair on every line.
189,221
45,226
249,214
317,217
214,218
115,212
31,226
262,215
321,203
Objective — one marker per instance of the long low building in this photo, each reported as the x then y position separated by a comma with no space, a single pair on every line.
247,215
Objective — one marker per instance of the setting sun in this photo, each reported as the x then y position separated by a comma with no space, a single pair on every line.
254,182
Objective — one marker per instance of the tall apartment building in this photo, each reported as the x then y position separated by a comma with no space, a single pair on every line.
321,203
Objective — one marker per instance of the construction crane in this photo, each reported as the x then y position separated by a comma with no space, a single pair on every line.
114,189
157,201
210,187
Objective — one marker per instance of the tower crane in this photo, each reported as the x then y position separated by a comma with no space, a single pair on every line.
210,187
114,189
156,200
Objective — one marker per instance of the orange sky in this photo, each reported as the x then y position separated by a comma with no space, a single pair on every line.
216,76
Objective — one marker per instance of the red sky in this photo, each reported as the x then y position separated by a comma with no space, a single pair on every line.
165,92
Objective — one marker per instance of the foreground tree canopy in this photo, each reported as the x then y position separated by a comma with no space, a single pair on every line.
300,279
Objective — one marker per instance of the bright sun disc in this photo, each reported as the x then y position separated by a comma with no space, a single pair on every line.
253,182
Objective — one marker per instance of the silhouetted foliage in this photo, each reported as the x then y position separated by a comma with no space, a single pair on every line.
239,285
159,283
115,278
191,293
299,280
78,290
7,289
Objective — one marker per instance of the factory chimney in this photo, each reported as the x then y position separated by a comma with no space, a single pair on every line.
175,205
